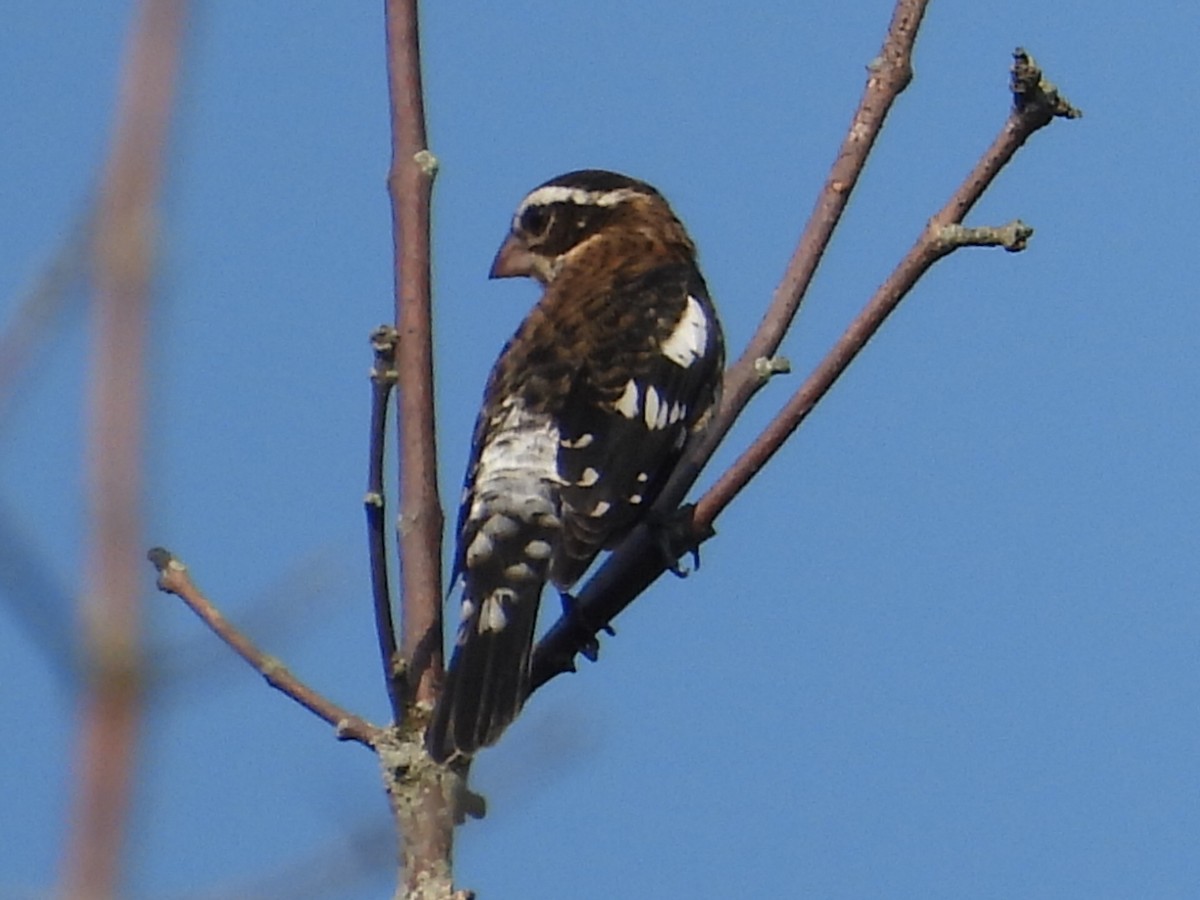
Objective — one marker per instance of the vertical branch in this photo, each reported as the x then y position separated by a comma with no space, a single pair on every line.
410,184
123,254
420,802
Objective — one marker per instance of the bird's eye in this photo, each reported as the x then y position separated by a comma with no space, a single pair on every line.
535,220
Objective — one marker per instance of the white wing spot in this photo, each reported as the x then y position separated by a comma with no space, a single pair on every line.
600,509
656,410
688,341
678,411
478,550
635,499
589,477
627,403
584,440
492,616
520,572
538,550
500,527
642,477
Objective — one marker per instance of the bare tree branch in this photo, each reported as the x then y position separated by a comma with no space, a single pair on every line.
173,578
410,184
123,255
383,379
942,236
421,792
640,560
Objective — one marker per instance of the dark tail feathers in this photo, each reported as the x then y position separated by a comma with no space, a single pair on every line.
488,676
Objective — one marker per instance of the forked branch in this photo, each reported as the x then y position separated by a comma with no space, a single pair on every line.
639,561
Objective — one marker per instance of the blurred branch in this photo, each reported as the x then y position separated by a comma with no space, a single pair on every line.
123,257
324,872
639,561
38,310
38,601
173,578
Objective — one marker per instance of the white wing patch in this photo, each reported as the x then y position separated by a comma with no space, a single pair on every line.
689,340
627,403
657,410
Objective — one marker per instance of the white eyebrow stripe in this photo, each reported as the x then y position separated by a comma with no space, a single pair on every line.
555,193
689,340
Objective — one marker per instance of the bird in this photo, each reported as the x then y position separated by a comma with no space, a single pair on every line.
584,417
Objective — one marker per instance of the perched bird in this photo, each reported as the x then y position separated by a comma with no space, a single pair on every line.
584,417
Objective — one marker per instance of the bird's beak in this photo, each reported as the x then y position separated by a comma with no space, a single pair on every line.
512,260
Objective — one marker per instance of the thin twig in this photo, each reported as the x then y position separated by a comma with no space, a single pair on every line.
173,578
383,379
123,253
640,560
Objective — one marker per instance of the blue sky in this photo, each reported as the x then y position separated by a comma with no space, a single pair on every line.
945,646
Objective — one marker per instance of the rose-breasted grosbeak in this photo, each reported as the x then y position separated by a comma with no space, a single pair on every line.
585,415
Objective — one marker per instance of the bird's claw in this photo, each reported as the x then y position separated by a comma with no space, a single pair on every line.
571,609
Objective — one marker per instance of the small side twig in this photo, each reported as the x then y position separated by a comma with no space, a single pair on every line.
383,379
173,578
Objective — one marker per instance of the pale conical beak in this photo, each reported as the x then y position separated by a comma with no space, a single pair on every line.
512,260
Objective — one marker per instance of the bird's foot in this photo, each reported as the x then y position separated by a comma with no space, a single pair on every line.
573,611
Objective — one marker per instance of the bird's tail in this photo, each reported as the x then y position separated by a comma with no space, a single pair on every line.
488,676
505,561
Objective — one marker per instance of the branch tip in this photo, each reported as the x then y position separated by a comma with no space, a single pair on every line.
170,569
1033,94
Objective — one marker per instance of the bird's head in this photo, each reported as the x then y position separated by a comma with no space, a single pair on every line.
586,214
